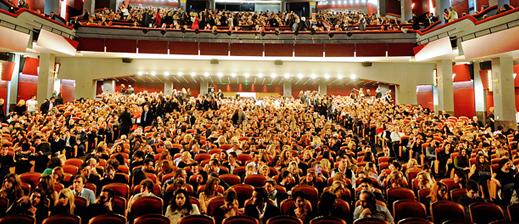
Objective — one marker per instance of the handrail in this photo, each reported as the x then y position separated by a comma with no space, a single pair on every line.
471,18
22,10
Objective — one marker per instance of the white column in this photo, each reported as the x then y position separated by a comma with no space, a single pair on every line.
440,6
204,87
479,93
109,86
503,91
405,10
46,77
323,88
287,89
445,93
168,88
12,92
85,88
90,5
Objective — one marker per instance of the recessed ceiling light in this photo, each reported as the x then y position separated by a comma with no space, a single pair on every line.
260,75
153,73
300,75
233,74
206,74
180,73
327,76
353,76
314,76
193,73
219,74
140,73
287,75
339,76
246,74
273,75
166,73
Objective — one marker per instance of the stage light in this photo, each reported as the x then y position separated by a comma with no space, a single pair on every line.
246,75
300,75
313,76
339,76
140,73
219,74
273,75
233,74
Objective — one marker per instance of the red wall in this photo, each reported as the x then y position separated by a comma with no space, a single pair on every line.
461,6
393,6
424,96
249,88
462,72
514,3
30,67
480,3
464,104
27,86
7,70
298,88
67,90
3,91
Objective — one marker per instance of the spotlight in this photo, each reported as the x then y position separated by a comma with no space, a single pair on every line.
331,34
163,32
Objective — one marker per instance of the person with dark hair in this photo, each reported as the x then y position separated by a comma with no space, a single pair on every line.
11,189
210,192
263,206
23,206
229,207
504,178
78,189
369,208
147,187
40,203
180,206
303,208
471,196
103,205
6,161
326,205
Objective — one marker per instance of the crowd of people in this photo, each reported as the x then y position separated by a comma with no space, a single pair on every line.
217,20
348,150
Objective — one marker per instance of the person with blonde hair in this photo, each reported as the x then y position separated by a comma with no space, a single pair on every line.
20,108
65,203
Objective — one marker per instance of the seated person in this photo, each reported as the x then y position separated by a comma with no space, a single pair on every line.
368,208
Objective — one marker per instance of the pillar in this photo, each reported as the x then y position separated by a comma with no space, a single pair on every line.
51,6
313,7
503,91
445,93
406,10
204,87
85,88
168,88
440,6
287,89
46,77
479,93
109,86
182,4
89,5
12,91
323,89
492,3
283,6
501,3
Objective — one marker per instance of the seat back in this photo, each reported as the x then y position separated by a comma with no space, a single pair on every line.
146,205
455,194
369,221
408,208
447,210
399,193
4,204
343,209
198,219
256,180
485,212
119,205
151,219
240,220
18,219
284,219
81,205
74,161
230,179
119,189
62,219
71,169
213,204
327,220
32,178
108,218
244,192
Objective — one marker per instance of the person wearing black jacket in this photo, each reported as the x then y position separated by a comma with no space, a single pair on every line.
125,121
146,116
2,112
47,105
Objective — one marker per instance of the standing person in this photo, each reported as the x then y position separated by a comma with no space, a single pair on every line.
47,105
453,14
31,105
2,112
20,107
125,119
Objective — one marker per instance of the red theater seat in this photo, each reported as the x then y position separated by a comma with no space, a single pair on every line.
62,219
288,205
310,193
455,194
152,219
485,212
198,219
214,204
513,212
230,179
119,189
4,204
369,221
146,205
108,218
283,219
327,220
399,193
414,221
256,180
71,169
442,211
408,208
32,178
244,192
240,220
17,219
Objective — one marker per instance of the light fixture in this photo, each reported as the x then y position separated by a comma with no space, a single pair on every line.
339,76
260,75
219,74
206,74
273,75
153,73
193,73
313,76
287,75
353,76
246,75
233,74
166,73
180,73
140,73
300,75
327,76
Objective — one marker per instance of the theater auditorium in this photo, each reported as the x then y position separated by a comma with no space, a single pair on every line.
259,111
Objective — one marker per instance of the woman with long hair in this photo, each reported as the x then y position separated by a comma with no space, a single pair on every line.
11,189
180,206
210,192
65,203
229,207
46,185
480,173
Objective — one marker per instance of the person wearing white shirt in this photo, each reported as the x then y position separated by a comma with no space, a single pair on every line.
31,104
